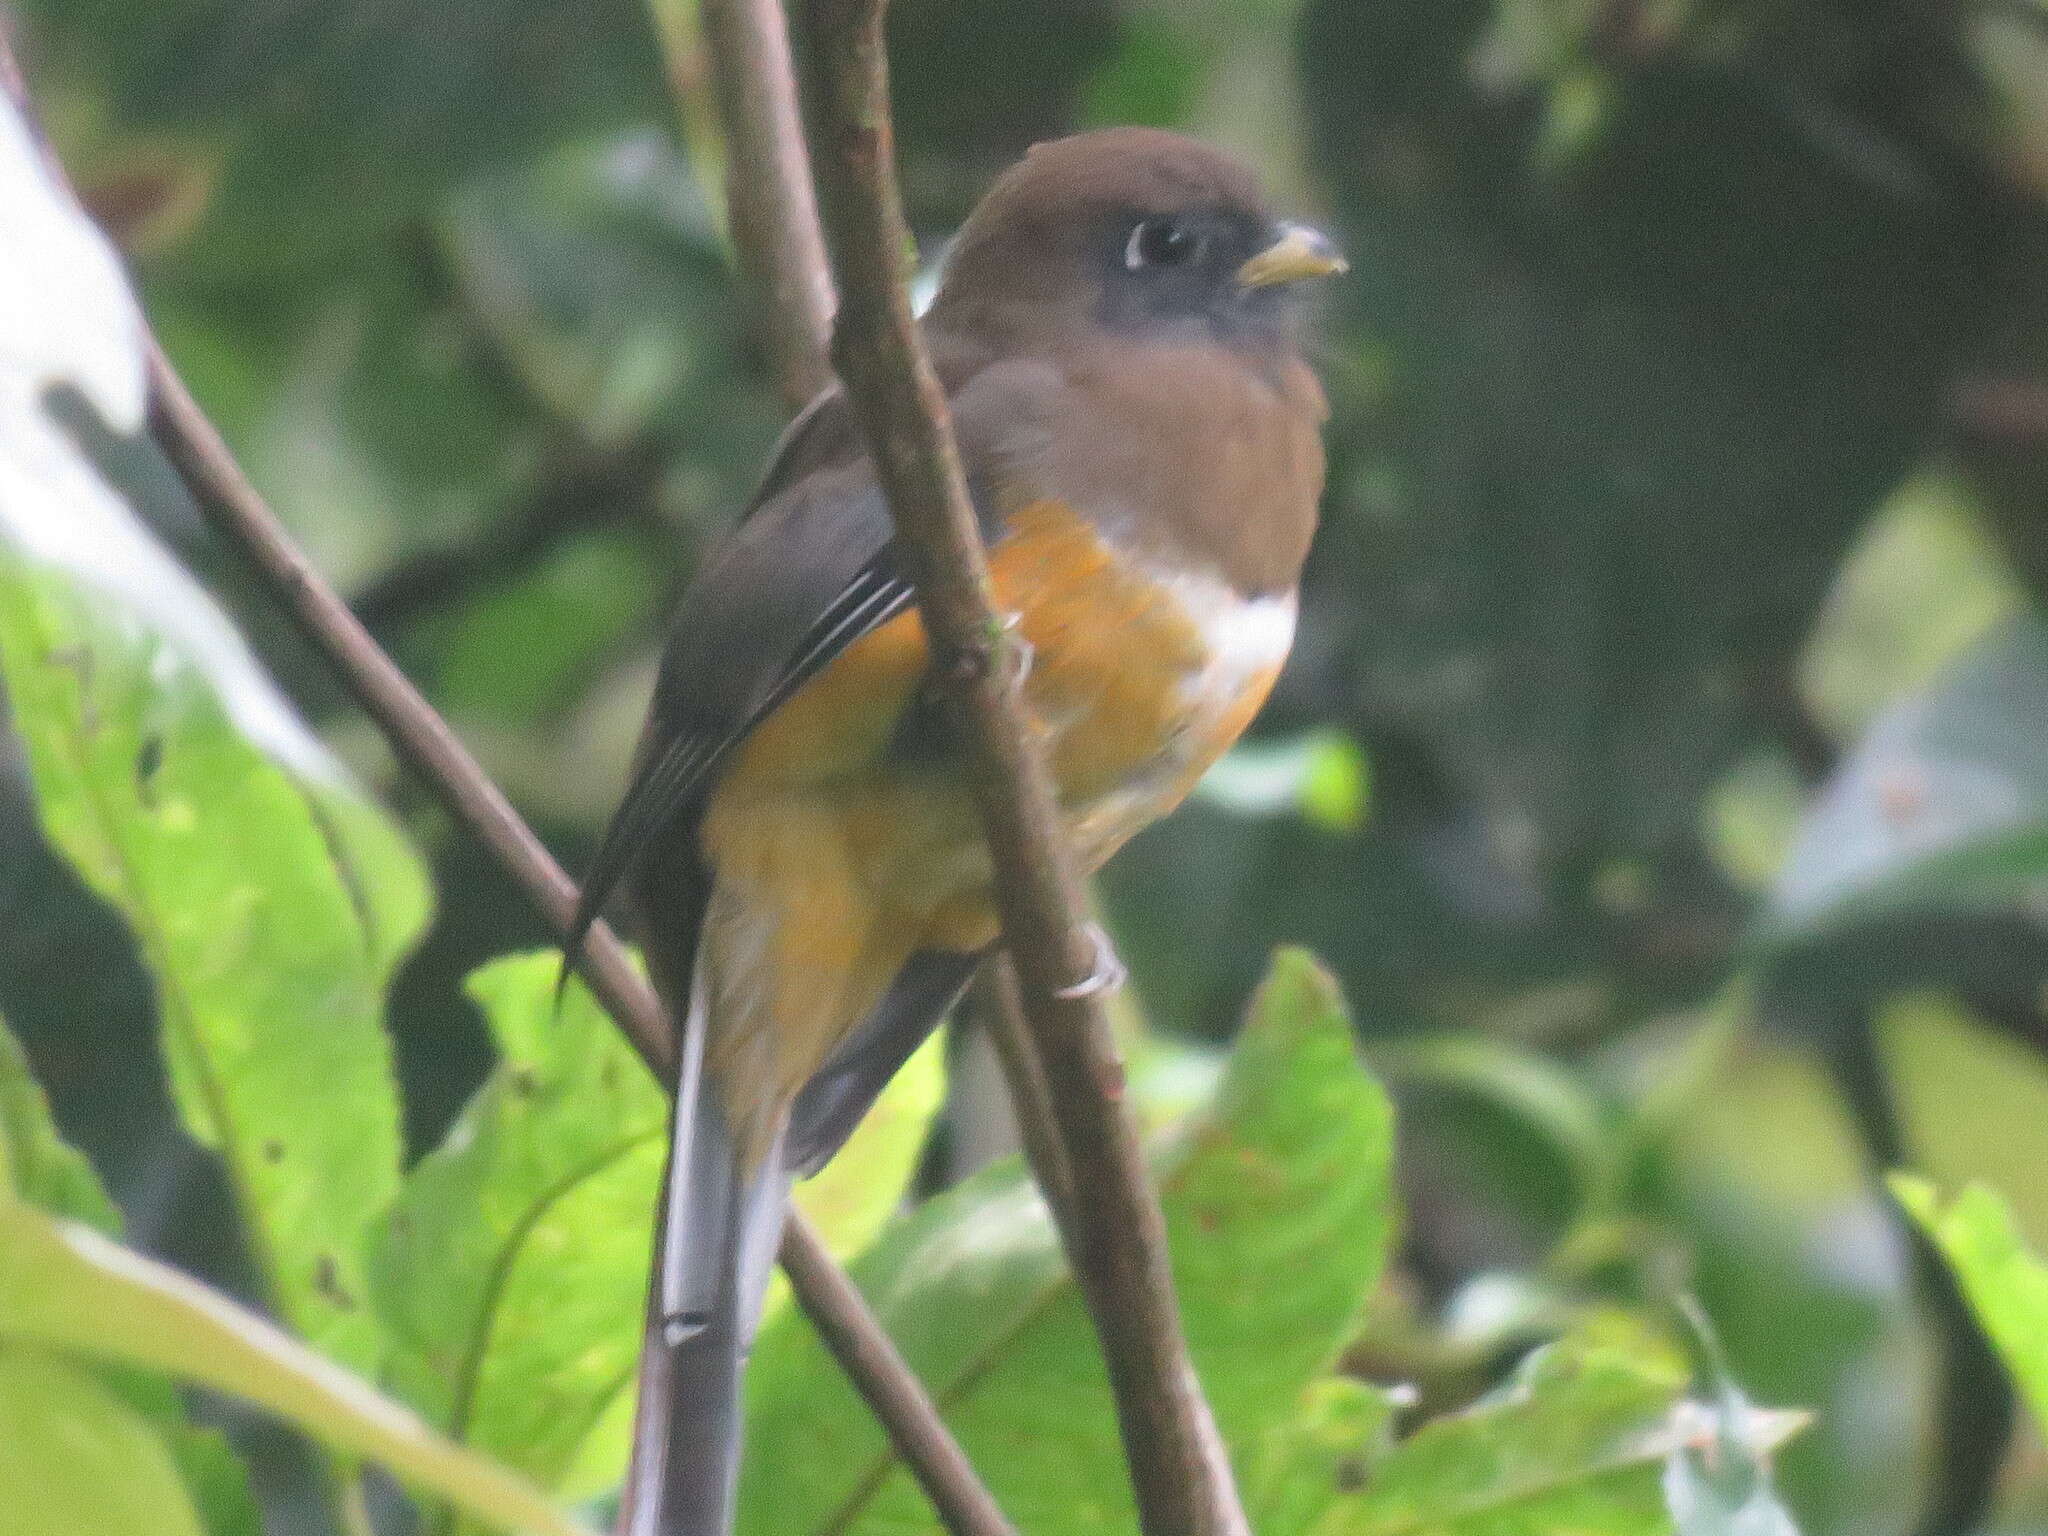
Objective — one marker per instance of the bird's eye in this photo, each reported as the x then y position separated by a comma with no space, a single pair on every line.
1160,243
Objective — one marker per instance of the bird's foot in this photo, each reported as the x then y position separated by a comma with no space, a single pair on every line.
1106,975
1018,653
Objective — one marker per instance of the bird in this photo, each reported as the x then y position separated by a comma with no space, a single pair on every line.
1118,328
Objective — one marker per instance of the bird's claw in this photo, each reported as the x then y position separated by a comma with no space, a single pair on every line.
1106,975
1018,653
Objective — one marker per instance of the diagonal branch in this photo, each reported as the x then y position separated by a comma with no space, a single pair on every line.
1110,1220
423,741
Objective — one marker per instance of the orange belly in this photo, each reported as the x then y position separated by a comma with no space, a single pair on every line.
837,857
1115,683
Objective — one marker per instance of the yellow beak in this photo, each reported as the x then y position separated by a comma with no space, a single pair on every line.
1299,253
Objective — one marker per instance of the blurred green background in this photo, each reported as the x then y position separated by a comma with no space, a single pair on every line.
1663,766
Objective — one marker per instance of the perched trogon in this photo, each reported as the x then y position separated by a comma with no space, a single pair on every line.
1117,328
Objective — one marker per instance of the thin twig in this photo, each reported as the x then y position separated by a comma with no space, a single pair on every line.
998,1008
423,741
1115,1235
781,253
771,215
421,738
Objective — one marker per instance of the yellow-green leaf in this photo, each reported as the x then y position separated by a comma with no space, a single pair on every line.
2007,1285
1284,1175
76,1460
63,1286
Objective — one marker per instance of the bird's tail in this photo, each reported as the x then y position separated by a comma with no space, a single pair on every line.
720,1226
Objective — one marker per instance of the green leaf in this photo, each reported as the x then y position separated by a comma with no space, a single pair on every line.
269,908
1285,1175
63,1286
597,270
1925,581
35,1163
515,652
40,1168
269,901
1322,776
1342,1427
381,115
1562,1113
76,1460
1156,75
511,1272
213,1471
1575,1441
2007,1286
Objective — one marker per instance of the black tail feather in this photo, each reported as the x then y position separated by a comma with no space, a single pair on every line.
719,1231
844,1089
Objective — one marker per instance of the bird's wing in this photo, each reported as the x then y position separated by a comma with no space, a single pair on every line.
839,1096
809,571
811,568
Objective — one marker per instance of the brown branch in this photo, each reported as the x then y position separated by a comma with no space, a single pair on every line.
423,741
774,228
1114,1233
771,215
419,736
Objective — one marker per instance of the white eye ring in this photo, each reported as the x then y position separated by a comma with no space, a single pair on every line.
1180,245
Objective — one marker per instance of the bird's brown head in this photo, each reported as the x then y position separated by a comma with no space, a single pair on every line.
1132,233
